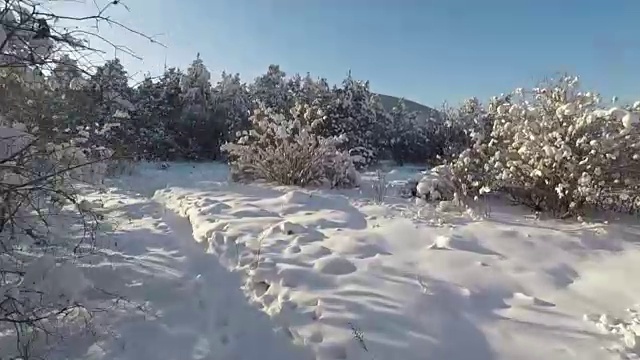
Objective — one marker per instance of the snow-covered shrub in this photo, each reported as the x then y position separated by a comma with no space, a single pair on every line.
284,149
339,169
362,157
436,184
554,148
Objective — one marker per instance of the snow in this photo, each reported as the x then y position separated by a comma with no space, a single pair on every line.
237,271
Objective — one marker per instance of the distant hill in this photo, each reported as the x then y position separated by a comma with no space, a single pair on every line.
388,102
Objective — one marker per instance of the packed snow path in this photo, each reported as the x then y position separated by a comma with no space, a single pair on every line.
192,308
313,274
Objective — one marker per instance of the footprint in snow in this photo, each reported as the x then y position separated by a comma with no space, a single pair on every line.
334,265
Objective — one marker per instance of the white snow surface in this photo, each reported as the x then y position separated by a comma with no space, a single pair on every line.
233,271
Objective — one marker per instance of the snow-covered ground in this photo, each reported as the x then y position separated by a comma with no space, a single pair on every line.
231,271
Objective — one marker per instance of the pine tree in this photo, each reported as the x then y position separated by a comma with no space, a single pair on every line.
158,113
407,139
353,115
72,104
110,85
233,105
199,134
196,88
66,74
316,91
272,90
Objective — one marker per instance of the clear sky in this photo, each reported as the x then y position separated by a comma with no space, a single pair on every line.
425,50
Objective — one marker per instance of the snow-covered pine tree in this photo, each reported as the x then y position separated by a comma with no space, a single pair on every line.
272,90
170,103
149,127
233,105
456,130
353,115
24,99
200,135
406,135
112,95
110,86
72,105
316,91
196,88
163,104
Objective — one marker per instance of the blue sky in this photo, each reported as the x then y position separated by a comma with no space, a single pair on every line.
425,50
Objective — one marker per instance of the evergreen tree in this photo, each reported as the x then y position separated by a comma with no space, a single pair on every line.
111,96
272,90
110,87
406,135
233,105
200,135
353,115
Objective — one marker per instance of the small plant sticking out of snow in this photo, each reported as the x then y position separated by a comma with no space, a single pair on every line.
554,149
380,186
358,335
283,149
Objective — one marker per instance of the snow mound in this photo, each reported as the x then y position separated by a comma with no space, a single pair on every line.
154,263
334,265
626,330
296,197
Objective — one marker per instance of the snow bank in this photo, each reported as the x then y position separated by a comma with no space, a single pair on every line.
165,298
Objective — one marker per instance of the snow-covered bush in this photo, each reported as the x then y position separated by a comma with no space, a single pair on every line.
284,149
436,185
554,148
362,157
